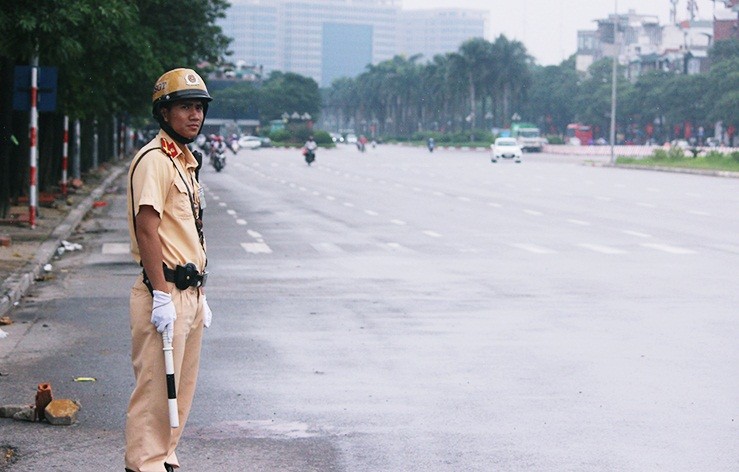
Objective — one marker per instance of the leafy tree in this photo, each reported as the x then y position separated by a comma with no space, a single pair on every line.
289,93
240,101
106,54
724,50
552,97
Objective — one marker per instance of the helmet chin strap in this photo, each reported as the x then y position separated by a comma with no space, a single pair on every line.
174,134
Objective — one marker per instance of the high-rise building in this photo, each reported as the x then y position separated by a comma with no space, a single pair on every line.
328,39
432,32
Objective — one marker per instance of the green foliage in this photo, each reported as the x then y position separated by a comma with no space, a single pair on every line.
323,138
713,160
240,101
109,54
555,139
280,136
483,84
289,93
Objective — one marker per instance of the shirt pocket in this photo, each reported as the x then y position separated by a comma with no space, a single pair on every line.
180,200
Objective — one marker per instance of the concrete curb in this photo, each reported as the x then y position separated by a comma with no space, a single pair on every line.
18,283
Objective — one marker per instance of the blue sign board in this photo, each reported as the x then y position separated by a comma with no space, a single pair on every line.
46,98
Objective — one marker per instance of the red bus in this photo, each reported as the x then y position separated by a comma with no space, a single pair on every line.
578,134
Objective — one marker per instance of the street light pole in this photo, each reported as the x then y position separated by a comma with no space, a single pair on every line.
613,81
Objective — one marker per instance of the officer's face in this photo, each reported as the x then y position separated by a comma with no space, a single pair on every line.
185,117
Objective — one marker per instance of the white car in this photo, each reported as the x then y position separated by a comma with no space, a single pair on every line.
351,138
505,148
250,142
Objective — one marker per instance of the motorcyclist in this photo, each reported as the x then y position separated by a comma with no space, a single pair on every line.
309,150
218,152
430,144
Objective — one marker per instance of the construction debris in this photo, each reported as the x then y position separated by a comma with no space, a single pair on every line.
56,412
43,398
62,412
8,411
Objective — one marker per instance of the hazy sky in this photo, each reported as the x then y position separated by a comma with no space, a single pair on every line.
548,28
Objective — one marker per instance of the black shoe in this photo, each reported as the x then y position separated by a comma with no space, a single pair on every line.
168,467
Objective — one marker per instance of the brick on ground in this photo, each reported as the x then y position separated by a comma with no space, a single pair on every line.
62,412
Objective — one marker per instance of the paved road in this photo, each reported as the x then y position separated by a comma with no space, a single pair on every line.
402,311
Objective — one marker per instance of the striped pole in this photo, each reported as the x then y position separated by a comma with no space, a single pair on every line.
65,155
174,419
33,135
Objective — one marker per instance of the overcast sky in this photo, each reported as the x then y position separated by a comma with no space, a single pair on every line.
549,28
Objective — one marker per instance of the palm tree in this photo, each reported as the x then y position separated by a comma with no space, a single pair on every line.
513,75
471,62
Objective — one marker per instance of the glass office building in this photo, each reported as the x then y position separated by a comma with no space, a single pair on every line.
328,39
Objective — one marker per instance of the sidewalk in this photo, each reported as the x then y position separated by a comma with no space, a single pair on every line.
22,262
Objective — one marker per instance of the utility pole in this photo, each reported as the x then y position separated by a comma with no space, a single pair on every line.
614,81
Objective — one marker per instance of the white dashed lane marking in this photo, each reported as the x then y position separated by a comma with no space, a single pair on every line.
534,248
669,249
637,234
602,249
256,248
579,222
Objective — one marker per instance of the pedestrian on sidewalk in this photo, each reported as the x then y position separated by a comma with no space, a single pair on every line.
165,203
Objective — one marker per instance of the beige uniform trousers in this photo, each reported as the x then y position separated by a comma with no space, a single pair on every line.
150,442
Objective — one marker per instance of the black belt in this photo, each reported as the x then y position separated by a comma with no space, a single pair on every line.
183,277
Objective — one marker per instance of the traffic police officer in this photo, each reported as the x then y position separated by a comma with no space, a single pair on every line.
165,201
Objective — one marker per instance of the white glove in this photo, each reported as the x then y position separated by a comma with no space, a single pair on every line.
207,314
163,313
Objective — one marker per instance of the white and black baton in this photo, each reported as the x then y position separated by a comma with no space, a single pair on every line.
174,419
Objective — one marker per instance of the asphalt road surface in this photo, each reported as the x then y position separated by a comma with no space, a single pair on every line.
397,310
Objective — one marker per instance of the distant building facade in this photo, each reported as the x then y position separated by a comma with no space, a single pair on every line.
644,45
329,39
432,32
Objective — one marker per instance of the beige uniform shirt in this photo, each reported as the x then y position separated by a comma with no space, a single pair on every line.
165,179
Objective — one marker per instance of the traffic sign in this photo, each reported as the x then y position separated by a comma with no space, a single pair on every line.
47,78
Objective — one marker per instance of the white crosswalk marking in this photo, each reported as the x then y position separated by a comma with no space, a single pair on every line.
433,234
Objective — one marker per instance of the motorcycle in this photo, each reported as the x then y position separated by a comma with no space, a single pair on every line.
430,145
218,159
310,156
